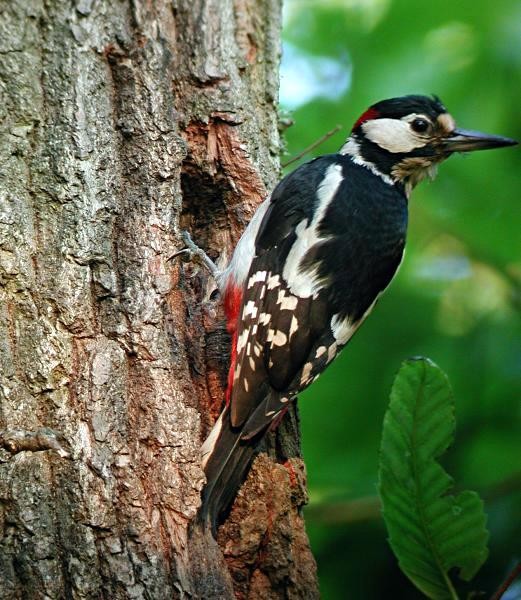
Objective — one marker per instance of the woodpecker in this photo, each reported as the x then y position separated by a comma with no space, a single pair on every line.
310,267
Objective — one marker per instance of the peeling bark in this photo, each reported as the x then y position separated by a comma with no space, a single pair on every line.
121,123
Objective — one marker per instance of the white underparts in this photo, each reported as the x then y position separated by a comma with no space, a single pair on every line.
306,283
209,443
240,263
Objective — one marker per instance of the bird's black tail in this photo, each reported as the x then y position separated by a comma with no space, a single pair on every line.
226,459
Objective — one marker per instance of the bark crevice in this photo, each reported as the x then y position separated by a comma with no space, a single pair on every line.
120,124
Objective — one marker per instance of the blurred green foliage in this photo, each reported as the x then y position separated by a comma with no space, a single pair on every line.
457,298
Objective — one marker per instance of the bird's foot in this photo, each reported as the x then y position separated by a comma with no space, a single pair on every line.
192,253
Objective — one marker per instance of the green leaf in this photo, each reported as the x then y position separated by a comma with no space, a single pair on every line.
430,531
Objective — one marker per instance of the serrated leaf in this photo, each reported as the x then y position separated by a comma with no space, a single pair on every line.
430,531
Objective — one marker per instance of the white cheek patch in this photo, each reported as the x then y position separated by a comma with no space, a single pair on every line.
393,135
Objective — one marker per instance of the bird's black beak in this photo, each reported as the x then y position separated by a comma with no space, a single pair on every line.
463,140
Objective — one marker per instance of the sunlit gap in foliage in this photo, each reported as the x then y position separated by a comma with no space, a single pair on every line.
449,48
468,289
304,77
366,14
453,46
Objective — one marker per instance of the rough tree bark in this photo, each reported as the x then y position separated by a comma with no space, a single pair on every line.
122,122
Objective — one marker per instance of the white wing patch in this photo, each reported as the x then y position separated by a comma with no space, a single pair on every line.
331,352
249,309
286,302
277,338
242,339
294,325
264,318
273,281
306,372
256,277
320,351
305,284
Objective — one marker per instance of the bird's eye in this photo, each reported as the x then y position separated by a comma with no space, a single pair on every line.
420,125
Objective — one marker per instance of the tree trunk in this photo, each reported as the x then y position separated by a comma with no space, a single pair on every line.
121,123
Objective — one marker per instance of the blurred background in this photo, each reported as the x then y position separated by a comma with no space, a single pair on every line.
457,298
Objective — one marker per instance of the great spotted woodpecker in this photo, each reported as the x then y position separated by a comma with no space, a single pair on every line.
310,267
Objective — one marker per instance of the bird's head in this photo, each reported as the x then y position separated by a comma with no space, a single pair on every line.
404,139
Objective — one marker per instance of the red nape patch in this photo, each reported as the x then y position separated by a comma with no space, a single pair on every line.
369,114
232,307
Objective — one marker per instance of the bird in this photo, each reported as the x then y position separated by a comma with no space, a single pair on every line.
310,267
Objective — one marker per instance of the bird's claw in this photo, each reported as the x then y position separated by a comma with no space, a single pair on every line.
192,253
185,254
